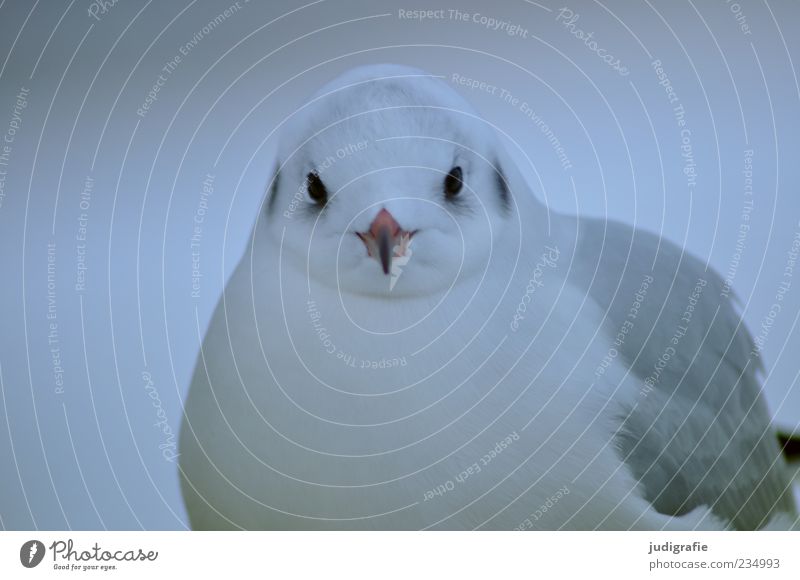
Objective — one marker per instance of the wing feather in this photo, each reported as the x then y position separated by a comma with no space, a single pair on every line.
698,432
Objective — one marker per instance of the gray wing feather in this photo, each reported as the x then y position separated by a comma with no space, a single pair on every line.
699,432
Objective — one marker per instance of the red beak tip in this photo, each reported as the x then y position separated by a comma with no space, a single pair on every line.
383,234
384,220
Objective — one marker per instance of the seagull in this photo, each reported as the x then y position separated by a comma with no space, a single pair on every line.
412,340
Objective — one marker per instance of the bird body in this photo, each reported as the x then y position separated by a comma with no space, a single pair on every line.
412,341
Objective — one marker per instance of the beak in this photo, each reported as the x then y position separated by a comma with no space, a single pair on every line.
385,239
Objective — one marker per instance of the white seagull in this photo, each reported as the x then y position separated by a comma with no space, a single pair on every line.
413,341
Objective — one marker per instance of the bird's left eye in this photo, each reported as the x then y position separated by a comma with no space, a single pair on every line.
316,189
453,182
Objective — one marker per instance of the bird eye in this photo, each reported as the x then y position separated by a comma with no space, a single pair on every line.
453,182
316,189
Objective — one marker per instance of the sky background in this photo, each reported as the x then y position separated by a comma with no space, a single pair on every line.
94,370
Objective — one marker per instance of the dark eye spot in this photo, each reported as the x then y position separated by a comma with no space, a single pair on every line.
453,182
316,189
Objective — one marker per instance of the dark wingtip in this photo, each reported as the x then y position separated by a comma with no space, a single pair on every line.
790,444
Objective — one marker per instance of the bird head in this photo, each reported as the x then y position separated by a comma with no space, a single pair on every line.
389,184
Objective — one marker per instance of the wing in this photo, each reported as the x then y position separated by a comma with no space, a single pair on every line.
698,432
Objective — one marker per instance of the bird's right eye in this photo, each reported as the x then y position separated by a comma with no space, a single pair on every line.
453,183
316,189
